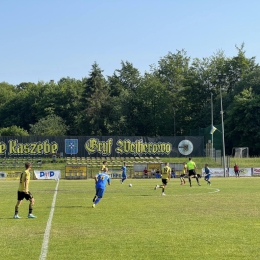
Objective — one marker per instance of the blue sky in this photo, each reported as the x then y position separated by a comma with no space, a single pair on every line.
51,39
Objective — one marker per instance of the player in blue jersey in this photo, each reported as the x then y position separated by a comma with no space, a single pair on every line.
123,168
207,174
101,182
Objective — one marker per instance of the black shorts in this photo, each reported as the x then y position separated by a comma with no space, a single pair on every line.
22,195
182,175
192,172
165,181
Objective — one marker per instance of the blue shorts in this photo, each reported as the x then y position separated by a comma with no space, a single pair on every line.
100,192
207,177
123,176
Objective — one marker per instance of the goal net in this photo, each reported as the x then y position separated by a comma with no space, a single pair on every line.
240,152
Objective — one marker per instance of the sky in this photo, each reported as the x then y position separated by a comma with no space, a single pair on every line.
43,40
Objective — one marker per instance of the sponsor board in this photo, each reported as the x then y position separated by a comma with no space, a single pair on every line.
2,175
216,172
256,171
242,172
75,172
47,175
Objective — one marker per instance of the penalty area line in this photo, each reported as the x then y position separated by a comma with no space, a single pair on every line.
46,237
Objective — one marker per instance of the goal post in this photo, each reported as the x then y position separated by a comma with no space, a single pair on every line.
240,152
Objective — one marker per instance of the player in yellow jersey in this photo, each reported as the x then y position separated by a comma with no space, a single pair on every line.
166,175
104,165
24,193
183,174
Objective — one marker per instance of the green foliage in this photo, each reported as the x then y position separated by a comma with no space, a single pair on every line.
50,125
243,120
94,103
174,95
13,131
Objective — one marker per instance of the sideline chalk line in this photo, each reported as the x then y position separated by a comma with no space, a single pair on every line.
46,237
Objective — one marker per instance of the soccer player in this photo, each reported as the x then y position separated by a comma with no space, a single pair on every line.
103,166
207,174
123,168
184,172
166,175
24,193
191,167
101,182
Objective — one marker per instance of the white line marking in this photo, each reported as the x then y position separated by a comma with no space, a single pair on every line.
46,237
217,190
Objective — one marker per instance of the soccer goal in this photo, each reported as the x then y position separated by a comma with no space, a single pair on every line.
240,152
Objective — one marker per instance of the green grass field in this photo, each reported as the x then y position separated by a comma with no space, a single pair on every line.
207,222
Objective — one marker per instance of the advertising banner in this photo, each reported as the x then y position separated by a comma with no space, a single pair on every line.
256,171
76,172
13,174
2,174
242,172
47,175
216,172
101,146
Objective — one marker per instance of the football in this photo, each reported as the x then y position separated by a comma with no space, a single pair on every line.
130,185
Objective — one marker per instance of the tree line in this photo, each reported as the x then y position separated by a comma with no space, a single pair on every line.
172,98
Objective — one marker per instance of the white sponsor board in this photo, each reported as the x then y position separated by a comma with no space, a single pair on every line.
215,172
256,171
2,174
242,172
47,174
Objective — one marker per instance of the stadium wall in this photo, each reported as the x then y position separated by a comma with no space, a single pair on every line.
97,146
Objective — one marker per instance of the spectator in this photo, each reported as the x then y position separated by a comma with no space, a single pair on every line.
173,175
153,173
145,173
158,174
236,170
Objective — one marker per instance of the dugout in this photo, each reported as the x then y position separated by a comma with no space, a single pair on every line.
139,169
75,172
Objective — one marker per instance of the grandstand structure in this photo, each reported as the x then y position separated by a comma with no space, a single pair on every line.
87,167
18,162
112,162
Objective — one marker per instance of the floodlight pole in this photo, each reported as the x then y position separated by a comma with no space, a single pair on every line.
212,124
174,123
223,136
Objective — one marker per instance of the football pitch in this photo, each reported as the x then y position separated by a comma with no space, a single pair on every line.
220,221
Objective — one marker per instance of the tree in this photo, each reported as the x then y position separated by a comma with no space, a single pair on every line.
13,131
243,122
127,81
154,105
50,125
94,101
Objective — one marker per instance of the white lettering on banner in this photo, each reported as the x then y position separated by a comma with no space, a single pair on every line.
47,175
